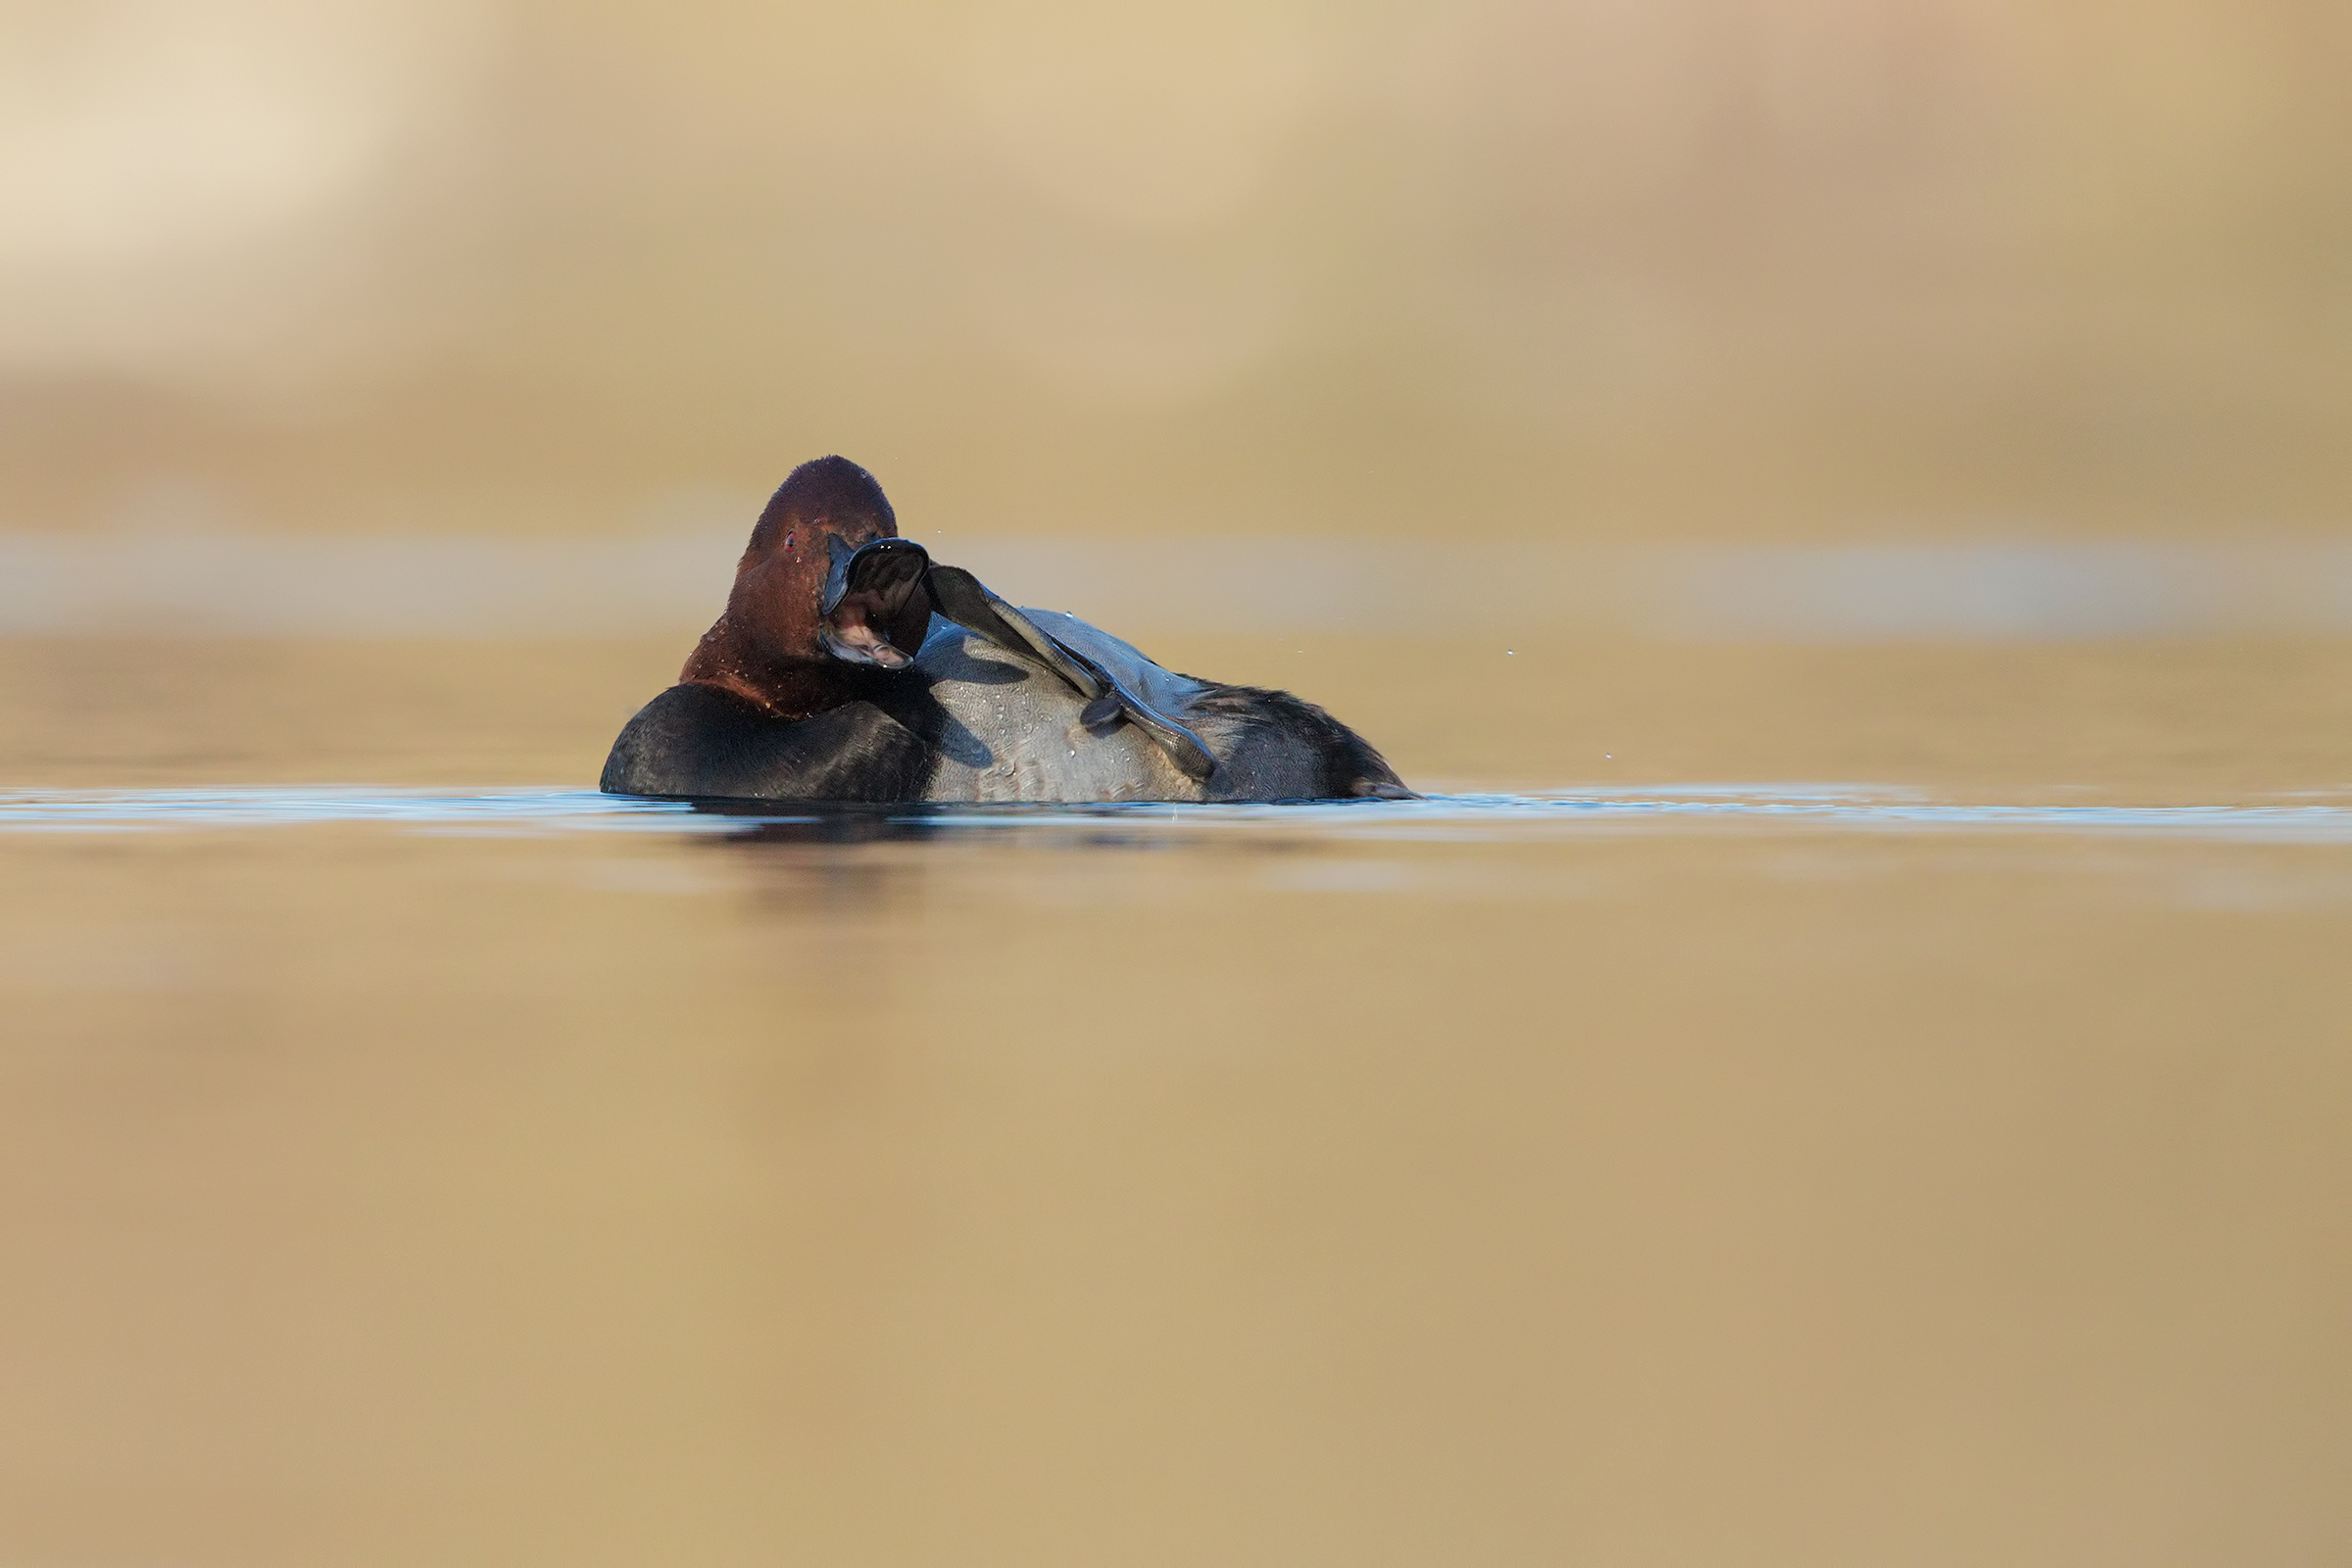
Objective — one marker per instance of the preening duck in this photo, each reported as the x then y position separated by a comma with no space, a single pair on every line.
848,665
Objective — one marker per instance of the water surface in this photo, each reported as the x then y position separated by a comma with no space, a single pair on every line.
1950,1165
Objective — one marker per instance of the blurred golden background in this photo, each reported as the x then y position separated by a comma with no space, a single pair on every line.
1888,268
1658,403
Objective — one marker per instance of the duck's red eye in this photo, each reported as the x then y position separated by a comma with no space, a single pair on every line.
788,538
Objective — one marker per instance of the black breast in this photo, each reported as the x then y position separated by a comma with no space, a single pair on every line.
697,740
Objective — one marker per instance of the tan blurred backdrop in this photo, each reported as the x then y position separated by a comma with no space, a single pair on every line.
1432,1186
1718,268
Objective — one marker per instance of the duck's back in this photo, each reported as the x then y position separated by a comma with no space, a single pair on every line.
1010,728
1003,727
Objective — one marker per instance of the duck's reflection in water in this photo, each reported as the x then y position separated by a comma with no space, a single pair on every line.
767,823
1059,826
817,860
843,857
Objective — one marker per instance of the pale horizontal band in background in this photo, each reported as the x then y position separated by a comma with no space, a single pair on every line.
254,585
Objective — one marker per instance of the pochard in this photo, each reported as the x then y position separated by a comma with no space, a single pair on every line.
848,665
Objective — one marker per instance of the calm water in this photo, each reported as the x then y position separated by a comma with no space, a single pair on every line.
1947,1168
1436,818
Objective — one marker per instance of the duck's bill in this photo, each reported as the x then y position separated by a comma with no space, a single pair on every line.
861,644
876,607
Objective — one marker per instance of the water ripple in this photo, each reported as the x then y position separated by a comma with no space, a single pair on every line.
2303,820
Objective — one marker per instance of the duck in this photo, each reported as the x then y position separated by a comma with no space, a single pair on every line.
851,667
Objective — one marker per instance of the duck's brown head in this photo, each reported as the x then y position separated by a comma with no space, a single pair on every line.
793,622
